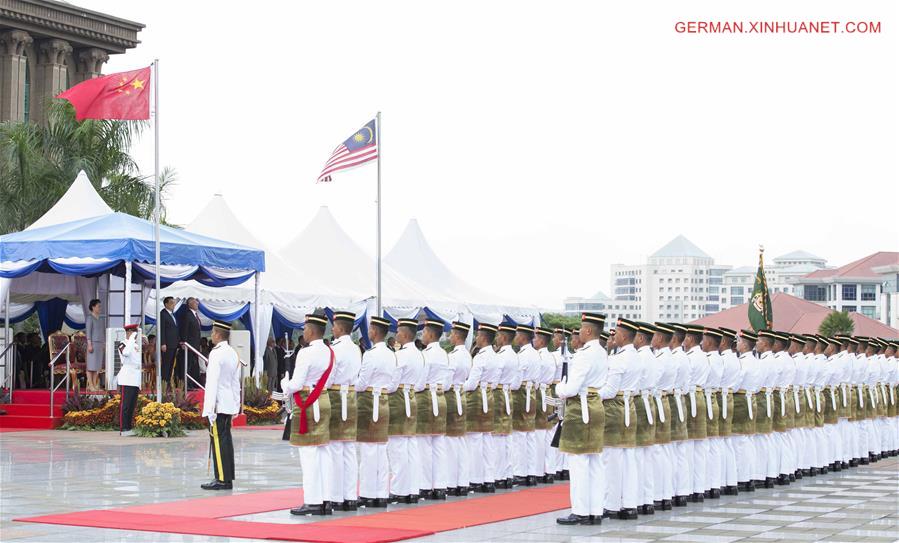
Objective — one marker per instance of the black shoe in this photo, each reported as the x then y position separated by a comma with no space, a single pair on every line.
716,493
666,505
697,497
782,480
745,486
573,520
823,471
707,494
627,514
792,477
519,481
549,479
438,494
396,498
531,480
378,503
606,513
731,491
215,484
680,501
798,475
647,510
844,465
307,509
349,505
480,489
453,491
769,482
490,488
837,466
501,484
807,472
852,463
565,475
657,504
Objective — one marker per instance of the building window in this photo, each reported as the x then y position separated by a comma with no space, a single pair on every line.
868,311
849,292
736,291
736,300
849,308
869,293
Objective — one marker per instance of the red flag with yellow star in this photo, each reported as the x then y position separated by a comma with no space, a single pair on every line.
122,96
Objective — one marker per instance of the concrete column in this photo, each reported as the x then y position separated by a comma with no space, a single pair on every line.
12,74
88,63
51,76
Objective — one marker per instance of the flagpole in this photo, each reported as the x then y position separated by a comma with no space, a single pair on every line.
156,223
378,140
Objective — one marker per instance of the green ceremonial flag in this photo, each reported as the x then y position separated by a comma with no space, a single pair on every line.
760,314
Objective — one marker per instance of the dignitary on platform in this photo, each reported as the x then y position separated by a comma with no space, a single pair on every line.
221,401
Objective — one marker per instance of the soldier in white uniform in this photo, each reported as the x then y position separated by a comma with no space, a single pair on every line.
220,403
711,342
402,443
746,385
784,414
683,445
544,375
648,454
376,377
485,370
435,454
766,442
342,467
509,380
311,418
524,409
697,426
555,462
128,378
583,427
456,410
665,472
729,385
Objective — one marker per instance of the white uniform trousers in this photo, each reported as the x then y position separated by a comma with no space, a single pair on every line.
683,475
782,444
374,470
835,434
655,471
823,454
524,446
344,471
553,456
402,453
621,477
664,471
587,488
887,427
480,459
849,437
440,460
541,443
312,460
744,458
457,464
713,463
700,465
730,461
502,450
645,476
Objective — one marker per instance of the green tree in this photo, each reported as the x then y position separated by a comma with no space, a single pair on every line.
557,320
38,163
837,322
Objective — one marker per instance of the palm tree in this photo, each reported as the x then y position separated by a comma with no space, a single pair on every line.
837,322
38,162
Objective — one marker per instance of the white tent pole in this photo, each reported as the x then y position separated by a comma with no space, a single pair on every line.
256,328
378,141
156,219
8,337
127,293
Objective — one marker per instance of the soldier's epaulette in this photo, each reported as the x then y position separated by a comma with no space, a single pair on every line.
585,347
658,354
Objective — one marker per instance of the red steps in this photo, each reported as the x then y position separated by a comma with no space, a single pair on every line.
31,409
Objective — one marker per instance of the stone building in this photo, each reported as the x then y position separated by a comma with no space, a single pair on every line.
47,47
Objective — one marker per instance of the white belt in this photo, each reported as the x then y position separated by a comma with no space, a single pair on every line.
833,399
872,394
543,397
585,412
768,393
375,397
484,397
861,396
845,395
808,398
527,397
627,408
892,396
724,391
818,399
783,403
692,402
434,408
646,406
749,401
316,414
406,400
506,397
678,400
708,402
457,391
796,399
344,390
658,397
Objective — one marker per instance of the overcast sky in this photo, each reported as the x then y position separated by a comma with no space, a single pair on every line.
537,143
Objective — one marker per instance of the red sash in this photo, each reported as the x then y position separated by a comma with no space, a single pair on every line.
313,396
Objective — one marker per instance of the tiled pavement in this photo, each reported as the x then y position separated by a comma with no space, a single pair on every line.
54,471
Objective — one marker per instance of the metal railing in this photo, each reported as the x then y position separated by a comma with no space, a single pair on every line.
66,350
190,348
9,376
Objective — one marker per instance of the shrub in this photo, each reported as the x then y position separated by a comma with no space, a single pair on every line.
159,420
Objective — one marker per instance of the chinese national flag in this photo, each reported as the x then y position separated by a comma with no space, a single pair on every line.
121,96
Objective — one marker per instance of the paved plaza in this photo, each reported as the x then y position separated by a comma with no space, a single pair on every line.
56,471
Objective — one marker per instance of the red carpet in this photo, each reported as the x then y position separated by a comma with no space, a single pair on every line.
207,516
4,429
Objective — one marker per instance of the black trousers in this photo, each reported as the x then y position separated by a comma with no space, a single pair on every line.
129,401
223,451
168,365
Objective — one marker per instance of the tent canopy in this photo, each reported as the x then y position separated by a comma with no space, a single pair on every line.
80,201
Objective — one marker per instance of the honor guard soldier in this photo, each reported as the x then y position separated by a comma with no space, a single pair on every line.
524,409
342,468
697,423
456,410
583,424
680,417
766,442
220,403
485,372
376,378
711,342
575,340
664,470
819,400
725,398
801,405
555,462
402,447
502,419
747,385
783,407
621,424
432,414
311,417
545,471
128,378
648,375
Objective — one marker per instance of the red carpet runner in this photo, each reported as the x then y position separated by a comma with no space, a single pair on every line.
208,516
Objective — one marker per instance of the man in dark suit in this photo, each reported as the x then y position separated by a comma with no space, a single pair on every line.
170,338
189,330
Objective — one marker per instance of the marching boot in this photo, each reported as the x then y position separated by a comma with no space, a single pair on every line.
798,475
844,465
864,461
307,509
489,488
731,491
769,482
852,463
394,498
453,491
565,475
520,481
836,466
501,484
549,479
215,484
807,472
680,501
480,489
349,505
415,497
697,497
782,480
531,480
606,513
792,477
716,493
627,514
657,504
378,503
746,486
438,494
573,520
666,505
647,510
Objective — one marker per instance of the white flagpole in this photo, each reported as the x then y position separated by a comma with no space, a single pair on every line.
378,140
156,219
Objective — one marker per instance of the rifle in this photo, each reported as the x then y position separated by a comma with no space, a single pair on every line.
559,403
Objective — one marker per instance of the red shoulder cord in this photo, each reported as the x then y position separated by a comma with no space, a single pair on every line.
316,392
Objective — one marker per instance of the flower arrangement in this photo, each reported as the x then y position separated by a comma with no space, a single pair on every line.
103,417
159,420
270,414
258,405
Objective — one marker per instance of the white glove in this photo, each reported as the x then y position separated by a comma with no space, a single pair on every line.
211,419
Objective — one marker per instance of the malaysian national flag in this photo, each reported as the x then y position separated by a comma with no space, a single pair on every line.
358,149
